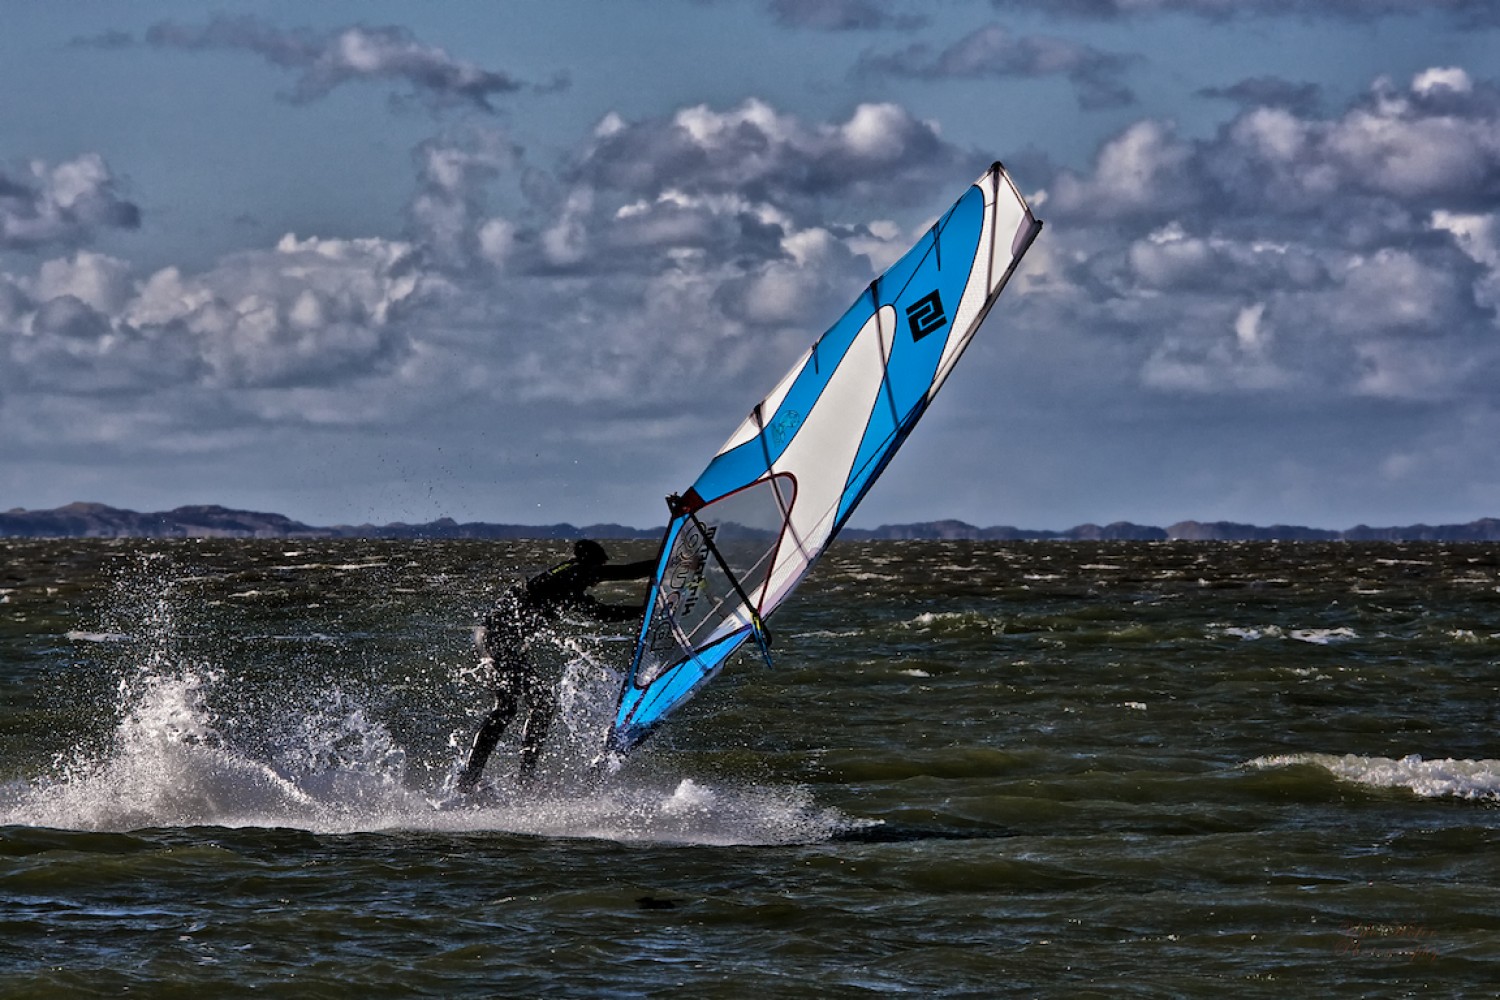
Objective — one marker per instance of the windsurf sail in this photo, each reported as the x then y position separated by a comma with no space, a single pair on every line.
752,525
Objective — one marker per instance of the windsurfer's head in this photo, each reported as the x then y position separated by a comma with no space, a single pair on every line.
589,552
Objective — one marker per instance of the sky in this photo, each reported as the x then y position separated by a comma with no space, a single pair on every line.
532,261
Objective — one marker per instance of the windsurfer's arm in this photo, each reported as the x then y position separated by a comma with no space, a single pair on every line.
610,572
616,612
627,571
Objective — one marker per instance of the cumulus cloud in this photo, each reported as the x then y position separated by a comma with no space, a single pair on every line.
1478,236
1351,254
697,248
59,332
881,152
691,248
325,60
706,244
308,311
65,204
1145,170
993,52
1429,144
1467,12
694,248
448,215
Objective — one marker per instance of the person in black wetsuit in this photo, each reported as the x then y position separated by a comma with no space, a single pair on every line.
518,616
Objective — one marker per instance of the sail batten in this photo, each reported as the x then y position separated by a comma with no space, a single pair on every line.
776,494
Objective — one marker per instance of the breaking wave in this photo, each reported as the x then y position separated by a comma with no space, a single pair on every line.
1458,778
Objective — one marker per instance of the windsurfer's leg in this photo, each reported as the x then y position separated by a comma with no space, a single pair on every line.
489,734
542,707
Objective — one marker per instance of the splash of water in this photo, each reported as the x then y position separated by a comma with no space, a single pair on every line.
334,770
166,767
326,764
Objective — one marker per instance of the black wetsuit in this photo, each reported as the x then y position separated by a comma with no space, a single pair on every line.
520,614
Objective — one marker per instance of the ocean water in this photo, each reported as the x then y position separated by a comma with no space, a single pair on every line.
977,770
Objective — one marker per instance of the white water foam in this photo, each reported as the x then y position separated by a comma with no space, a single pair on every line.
334,770
942,621
325,764
1316,636
79,636
1459,778
1323,636
329,767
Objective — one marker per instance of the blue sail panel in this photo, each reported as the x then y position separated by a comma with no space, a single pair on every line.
642,708
920,292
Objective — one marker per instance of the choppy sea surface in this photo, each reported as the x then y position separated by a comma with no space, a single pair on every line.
977,769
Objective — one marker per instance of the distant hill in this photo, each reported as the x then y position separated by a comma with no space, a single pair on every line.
97,520
1484,530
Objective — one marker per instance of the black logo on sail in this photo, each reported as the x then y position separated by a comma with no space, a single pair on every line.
925,315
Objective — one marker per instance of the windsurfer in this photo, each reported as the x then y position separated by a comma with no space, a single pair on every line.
518,617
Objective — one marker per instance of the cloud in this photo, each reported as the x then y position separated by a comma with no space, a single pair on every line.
448,215
1352,255
59,334
1289,254
1270,92
307,312
113,39
1434,144
691,248
1145,170
993,52
326,60
1478,236
880,153
66,204
701,247
698,248
1477,13
840,15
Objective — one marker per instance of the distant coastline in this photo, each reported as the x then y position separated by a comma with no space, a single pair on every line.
96,520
